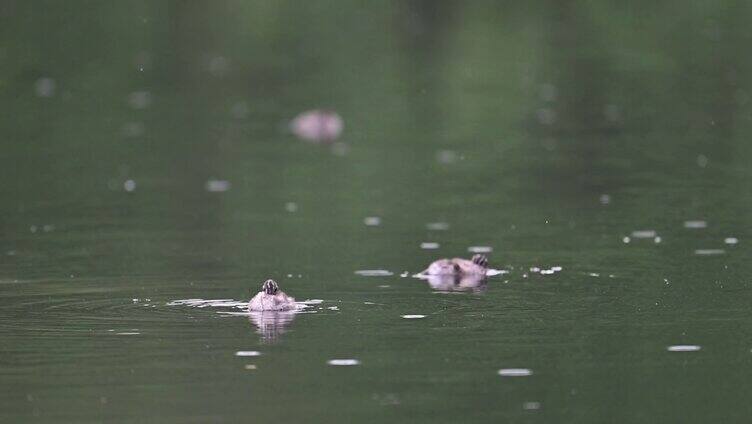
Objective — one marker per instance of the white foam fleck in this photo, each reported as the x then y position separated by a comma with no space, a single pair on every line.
695,224
139,99
531,406
404,274
372,221
547,271
333,308
343,362
312,301
429,245
446,156
437,226
494,272
217,186
129,185
594,274
515,372
128,333
374,272
644,233
556,268
291,207
45,87
731,240
706,252
413,316
657,239
683,348
249,367
248,353
480,249
604,199
626,239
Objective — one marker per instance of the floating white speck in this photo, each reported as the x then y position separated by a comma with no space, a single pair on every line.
139,99
429,245
333,308
683,348
547,271
594,274
404,274
515,372
33,228
45,87
446,156
480,249
626,239
128,333
343,362
291,207
414,316
695,224
643,233
374,272
556,268
494,272
372,221
247,353
604,199
531,406
384,286
437,226
129,185
709,252
534,269
240,110
312,301
217,186
657,239
702,161
731,240
249,367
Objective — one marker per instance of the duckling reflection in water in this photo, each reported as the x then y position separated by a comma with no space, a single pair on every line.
271,324
271,298
457,274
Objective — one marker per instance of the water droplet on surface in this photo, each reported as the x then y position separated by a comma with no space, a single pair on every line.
709,252
247,353
413,316
343,362
319,126
695,224
372,221
45,87
374,272
129,185
217,186
515,372
683,348
437,226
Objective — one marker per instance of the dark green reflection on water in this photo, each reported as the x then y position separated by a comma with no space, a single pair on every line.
546,108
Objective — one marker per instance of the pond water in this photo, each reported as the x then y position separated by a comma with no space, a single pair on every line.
597,153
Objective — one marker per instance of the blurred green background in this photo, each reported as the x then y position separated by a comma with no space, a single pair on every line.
549,131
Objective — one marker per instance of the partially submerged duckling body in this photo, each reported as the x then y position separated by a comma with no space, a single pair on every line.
271,298
477,266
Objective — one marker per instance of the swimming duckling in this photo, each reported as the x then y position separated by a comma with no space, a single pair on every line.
271,298
478,266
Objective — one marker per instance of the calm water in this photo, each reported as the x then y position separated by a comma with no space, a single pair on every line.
586,136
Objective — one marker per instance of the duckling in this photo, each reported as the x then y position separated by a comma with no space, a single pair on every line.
478,265
271,298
